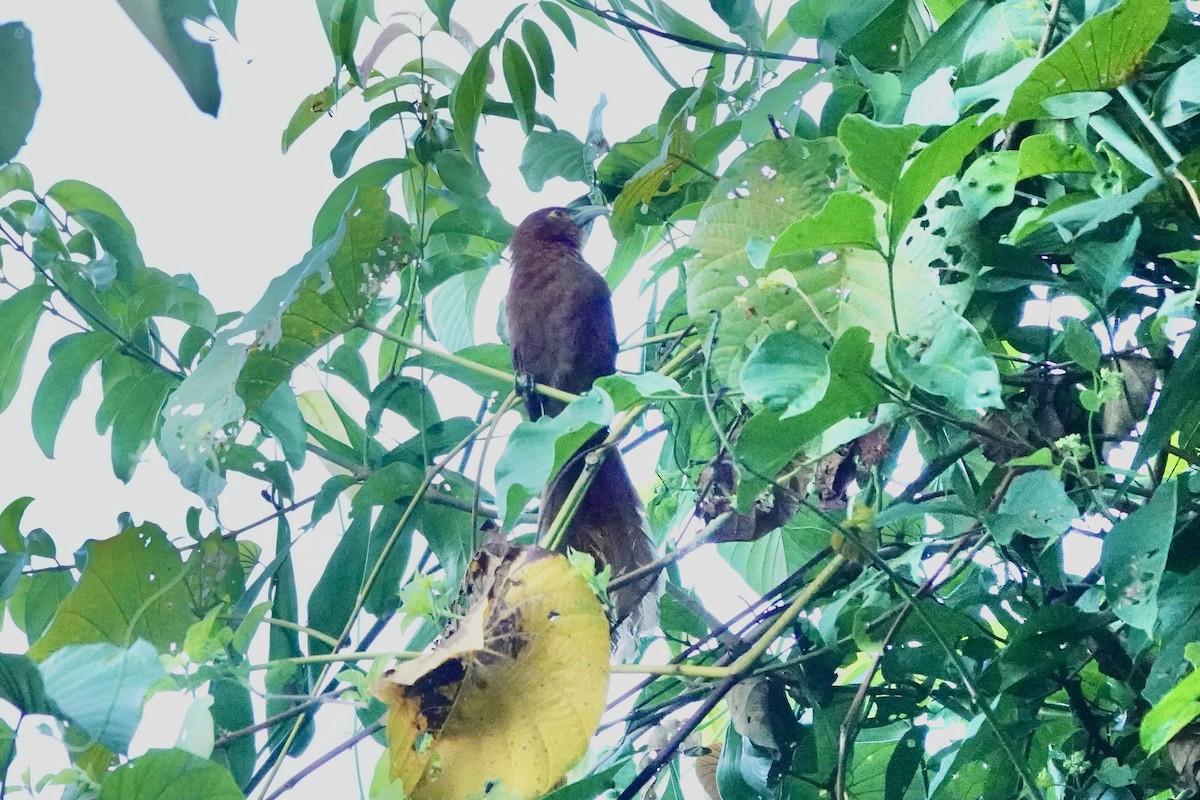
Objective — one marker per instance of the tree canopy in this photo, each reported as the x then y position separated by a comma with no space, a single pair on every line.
917,282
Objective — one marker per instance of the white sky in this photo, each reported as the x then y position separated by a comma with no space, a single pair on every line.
217,199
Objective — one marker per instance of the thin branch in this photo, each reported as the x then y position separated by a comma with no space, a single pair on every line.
232,736
708,47
309,769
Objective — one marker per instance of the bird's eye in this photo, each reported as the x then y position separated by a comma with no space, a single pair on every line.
556,214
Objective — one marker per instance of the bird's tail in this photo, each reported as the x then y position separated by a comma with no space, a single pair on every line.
609,525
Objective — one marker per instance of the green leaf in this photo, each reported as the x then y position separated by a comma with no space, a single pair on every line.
466,99
15,177
1176,409
846,219
21,684
192,60
518,75
1081,346
202,415
1045,153
769,559
138,401
562,21
1100,55
989,183
441,10
955,365
343,152
768,443
788,372
452,309
101,687
1133,558
876,153
342,21
1178,97
19,92
1036,505
75,196
311,109
1171,714
553,154
537,450
1106,265
322,297
460,175
169,775
376,174
10,525
540,53
941,158
496,356
19,315
131,588
71,358
37,600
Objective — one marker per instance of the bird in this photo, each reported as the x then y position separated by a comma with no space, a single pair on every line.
562,333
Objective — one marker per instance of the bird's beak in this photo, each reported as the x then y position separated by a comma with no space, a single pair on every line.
583,215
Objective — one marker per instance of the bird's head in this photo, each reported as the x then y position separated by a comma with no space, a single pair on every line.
556,225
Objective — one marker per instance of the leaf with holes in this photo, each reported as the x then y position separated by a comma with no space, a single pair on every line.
512,697
1134,556
131,588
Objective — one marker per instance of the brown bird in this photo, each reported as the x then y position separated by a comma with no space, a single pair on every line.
562,334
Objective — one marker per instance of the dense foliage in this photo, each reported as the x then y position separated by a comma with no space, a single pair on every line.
984,251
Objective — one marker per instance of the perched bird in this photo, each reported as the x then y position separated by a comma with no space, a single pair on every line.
562,334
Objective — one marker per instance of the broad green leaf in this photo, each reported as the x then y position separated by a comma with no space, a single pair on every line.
1101,54
1134,556
496,356
21,684
466,100
71,358
955,365
10,524
540,53
169,775
448,530
280,416
441,10
1106,265
766,561
19,316
323,296
536,450
343,152
768,443
990,183
311,109
202,415
940,159
522,87
876,153
1178,97
19,92
460,175
452,309
232,710
138,401
131,588
1176,410
553,154
1171,714
788,372
376,174
192,60
342,21
287,683
15,177
761,194
37,600
1045,153
562,21
1036,505
846,219
75,196
100,687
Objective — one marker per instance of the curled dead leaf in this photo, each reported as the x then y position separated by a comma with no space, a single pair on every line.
508,702
706,770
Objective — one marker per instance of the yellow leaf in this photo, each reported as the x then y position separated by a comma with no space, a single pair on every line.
508,702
